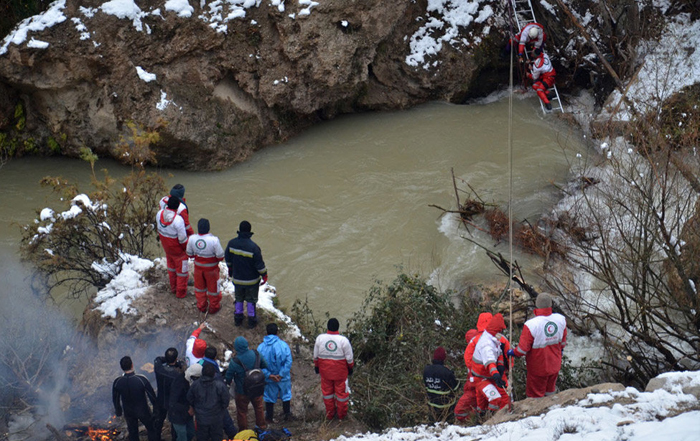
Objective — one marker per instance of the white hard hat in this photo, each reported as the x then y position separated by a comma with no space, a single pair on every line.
534,32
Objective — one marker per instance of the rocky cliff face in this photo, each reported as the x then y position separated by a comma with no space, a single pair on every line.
220,79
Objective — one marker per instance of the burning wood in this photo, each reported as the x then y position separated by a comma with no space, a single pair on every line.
94,433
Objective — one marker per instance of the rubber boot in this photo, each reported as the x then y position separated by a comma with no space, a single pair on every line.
252,319
238,314
269,412
287,408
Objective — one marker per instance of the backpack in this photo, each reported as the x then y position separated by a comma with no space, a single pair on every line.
254,380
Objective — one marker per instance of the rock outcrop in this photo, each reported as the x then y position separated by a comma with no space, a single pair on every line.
219,88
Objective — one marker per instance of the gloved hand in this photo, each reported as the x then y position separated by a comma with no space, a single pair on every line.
497,380
511,353
264,279
349,371
521,58
316,369
501,369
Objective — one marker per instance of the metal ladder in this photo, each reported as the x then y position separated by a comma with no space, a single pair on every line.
524,14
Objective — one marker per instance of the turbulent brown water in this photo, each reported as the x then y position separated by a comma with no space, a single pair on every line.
348,201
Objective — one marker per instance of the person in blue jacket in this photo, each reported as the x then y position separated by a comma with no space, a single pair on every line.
236,373
279,383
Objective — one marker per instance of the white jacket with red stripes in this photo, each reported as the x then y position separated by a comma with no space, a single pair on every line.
486,356
171,229
542,341
333,355
206,250
182,210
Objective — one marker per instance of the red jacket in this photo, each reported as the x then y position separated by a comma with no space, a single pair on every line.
542,342
333,356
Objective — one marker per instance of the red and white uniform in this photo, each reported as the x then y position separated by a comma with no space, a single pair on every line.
542,74
182,210
485,361
542,342
333,357
466,405
523,38
173,237
207,252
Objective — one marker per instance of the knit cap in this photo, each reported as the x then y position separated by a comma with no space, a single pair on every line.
173,202
203,226
178,191
333,325
439,354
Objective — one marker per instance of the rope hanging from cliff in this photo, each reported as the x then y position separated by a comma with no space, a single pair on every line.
510,219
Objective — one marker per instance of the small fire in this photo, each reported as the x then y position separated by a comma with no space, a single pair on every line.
93,433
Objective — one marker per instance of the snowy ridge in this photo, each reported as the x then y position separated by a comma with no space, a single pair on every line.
443,19
606,416
217,13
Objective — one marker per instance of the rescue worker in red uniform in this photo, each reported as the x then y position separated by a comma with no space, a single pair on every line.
542,342
440,384
173,237
487,365
206,250
178,191
466,405
542,74
333,359
532,34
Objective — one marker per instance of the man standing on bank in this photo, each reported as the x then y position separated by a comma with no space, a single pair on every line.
129,393
246,269
542,343
333,359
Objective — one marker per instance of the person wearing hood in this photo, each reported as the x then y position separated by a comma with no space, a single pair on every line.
333,360
209,398
206,250
178,191
178,406
487,366
278,356
441,385
195,346
247,271
173,237
542,343
236,373
466,405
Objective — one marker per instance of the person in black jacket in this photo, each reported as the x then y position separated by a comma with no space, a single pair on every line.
166,368
440,384
246,269
210,399
129,394
179,409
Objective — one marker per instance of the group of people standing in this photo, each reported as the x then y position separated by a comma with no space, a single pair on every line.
243,257
194,394
489,357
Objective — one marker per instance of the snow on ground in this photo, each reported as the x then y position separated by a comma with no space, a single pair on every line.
38,23
670,64
442,22
129,284
628,415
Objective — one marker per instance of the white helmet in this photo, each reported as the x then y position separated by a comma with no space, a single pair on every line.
534,32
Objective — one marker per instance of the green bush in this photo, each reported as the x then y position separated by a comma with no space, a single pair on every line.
393,336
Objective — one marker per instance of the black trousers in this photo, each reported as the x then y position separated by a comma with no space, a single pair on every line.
210,432
132,424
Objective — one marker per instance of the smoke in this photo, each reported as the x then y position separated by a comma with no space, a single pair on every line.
35,335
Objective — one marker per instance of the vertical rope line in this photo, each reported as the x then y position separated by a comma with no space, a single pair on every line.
510,211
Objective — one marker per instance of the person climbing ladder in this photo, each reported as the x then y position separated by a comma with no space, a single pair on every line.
542,74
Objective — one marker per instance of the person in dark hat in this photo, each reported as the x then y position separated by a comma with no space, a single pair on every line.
440,384
178,191
247,271
543,358
206,250
333,360
173,238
